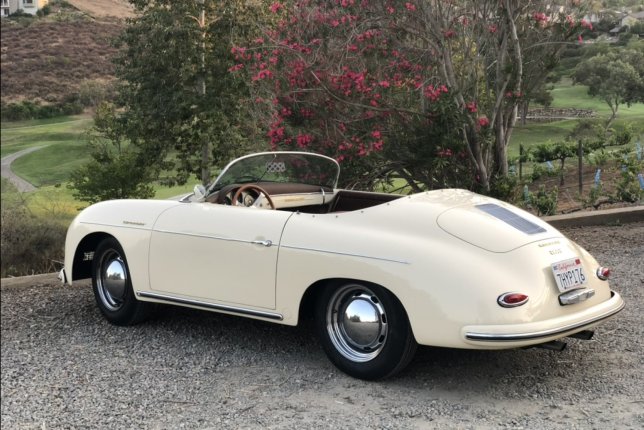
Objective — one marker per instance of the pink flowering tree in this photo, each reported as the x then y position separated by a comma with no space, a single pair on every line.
426,91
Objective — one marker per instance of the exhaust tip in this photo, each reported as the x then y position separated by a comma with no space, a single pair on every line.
583,335
554,345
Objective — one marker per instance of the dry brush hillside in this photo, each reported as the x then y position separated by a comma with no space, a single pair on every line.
47,59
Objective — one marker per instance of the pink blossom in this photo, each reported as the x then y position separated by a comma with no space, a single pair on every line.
471,106
580,39
410,6
276,7
445,153
236,67
586,24
391,10
259,40
263,74
303,140
492,28
448,34
384,84
376,134
483,121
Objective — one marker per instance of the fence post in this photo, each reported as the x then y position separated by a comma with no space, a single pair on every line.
580,154
520,162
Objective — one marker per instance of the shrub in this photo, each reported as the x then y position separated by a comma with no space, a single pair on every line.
627,188
31,110
546,201
29,244
505,188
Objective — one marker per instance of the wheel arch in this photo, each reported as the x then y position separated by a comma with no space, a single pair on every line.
312,292
84,254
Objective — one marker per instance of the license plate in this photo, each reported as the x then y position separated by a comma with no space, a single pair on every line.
569,274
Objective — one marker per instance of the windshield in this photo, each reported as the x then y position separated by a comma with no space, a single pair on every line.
294,167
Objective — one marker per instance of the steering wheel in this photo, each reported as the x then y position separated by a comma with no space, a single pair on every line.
256,202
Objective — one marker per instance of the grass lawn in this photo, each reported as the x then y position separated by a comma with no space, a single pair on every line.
58,132
567,95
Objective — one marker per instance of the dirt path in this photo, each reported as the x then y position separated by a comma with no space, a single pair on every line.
22,185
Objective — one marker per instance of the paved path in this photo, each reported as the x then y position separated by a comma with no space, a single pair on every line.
22,185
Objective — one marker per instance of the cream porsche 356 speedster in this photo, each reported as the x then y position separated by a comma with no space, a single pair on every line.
272,238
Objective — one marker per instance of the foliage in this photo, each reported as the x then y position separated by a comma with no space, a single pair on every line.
26,110
116,170
29,244
616,77
561,151
93,92
544,201
593,196
506,188
628,187
355,79
177,94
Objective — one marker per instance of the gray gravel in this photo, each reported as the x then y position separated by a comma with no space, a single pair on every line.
63,366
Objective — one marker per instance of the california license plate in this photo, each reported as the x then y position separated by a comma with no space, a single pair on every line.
569,274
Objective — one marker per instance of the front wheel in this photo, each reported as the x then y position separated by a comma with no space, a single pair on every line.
364,330
113,287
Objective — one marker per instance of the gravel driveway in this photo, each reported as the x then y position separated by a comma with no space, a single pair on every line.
63,366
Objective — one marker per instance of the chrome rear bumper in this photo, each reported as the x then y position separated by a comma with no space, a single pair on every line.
550,330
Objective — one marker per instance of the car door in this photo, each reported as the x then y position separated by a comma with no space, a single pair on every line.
217,253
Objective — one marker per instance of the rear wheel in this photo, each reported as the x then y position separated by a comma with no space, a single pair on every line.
364,330
112,286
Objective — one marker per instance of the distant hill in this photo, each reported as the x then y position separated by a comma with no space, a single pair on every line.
48,59
103,8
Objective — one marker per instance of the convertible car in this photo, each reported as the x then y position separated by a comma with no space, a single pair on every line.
272,238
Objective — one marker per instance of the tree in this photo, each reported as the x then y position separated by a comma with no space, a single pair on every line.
616,77
392,87
181,107
115,170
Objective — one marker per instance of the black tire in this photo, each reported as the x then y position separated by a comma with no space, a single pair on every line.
375,340
112,286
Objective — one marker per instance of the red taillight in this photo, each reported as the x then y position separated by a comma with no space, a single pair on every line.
510,300
603,273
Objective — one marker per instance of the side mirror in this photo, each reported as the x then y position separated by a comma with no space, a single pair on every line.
199,192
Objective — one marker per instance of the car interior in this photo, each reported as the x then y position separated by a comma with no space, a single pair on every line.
298,197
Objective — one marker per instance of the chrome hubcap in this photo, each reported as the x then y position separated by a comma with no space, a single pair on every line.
111,280
357,323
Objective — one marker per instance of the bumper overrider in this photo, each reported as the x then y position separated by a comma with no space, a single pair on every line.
503,336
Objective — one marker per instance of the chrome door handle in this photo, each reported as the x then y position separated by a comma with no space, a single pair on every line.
266,243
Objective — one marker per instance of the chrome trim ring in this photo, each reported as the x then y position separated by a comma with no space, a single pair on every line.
111,280
356,323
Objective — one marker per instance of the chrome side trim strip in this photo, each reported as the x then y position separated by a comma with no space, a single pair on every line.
210,306
104,224
205,236
325,251
490,337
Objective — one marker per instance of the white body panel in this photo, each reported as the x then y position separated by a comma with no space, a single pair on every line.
447,273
